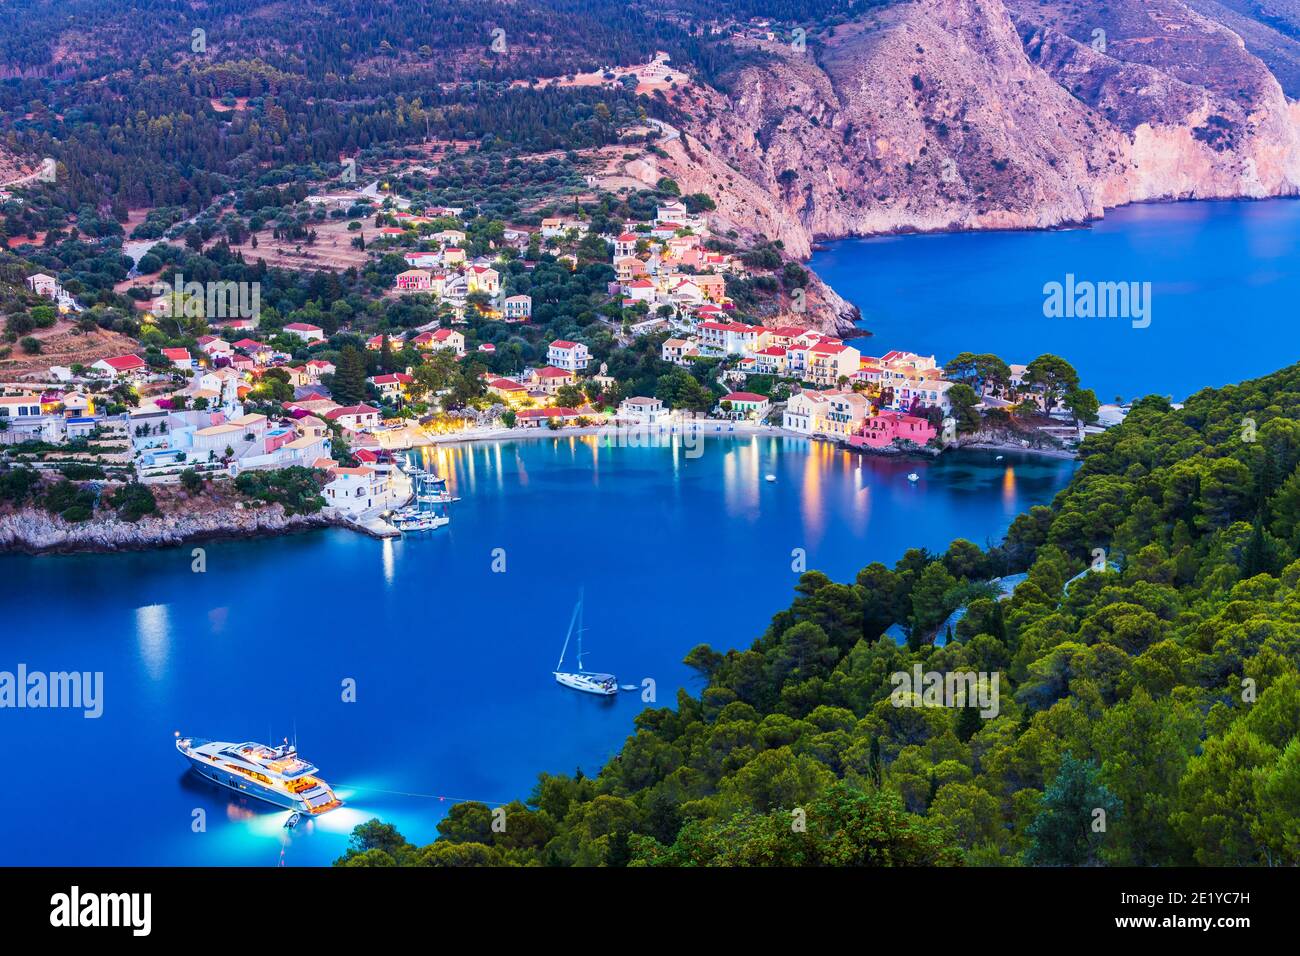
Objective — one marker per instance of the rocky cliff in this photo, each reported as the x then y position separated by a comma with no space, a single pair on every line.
982,114
34,531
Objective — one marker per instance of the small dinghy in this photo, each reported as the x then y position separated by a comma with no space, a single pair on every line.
913,477
770,478
293,820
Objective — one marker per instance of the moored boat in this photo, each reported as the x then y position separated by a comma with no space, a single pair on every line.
589,682
428,508
274,774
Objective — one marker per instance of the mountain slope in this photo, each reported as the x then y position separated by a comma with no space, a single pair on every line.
954,114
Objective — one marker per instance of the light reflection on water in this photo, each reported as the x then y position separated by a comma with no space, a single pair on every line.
452,662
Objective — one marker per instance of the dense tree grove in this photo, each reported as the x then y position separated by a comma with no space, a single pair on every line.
147,104
1148,714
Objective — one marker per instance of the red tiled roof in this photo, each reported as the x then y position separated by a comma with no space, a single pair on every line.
548,412
351,410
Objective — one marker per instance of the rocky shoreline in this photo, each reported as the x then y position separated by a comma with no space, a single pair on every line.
33,531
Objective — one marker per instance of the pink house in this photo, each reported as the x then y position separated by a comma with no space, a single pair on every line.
414,280
883,429
279,439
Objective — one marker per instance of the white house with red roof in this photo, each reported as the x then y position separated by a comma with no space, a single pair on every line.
214,346
440,339
732,338
625,245
746,405
354,417
180,358
392,385
639,290
571,356
259,352
770,360
122,366
305,331
688,292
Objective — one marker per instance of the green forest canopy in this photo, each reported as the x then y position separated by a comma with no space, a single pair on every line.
1148,716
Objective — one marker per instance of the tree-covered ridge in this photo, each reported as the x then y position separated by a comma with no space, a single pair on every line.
1149,710
148,103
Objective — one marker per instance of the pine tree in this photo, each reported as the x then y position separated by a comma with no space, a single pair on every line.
350,377
968,723
1076,809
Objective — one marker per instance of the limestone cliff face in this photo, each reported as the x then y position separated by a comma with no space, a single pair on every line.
980,114
34,531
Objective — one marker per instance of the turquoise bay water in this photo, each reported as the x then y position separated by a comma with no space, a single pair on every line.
1225,283
452,662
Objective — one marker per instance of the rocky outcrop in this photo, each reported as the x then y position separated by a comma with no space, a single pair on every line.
34,531
958,114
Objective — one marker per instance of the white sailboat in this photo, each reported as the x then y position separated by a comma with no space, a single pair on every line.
428,510
586,681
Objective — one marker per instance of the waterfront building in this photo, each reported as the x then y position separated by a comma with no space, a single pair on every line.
571,356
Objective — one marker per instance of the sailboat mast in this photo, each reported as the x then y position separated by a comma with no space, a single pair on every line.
576,611
581,628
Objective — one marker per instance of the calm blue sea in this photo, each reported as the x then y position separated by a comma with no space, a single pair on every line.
452,662
1225,283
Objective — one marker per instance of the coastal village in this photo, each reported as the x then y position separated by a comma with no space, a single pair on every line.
498,269
610,300
243,398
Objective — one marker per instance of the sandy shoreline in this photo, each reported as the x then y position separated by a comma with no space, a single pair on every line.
727,430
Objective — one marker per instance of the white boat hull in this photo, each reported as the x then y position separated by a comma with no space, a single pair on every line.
318,799
586,684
